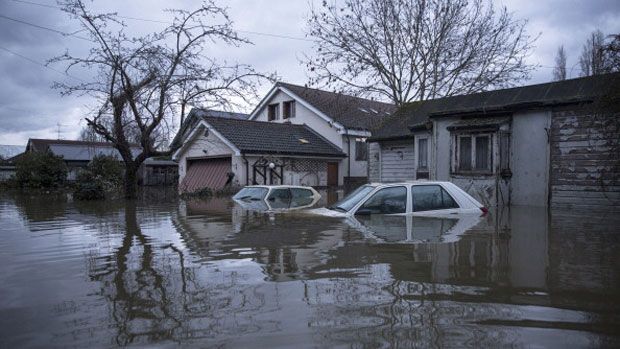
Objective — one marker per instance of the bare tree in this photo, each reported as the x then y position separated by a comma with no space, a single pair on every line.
611,53
142,82
559,71
406,50
592,60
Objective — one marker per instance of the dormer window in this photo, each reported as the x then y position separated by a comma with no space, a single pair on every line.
273,112
288,109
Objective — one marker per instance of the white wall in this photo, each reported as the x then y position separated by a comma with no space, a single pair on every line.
304,115
212,144
530,158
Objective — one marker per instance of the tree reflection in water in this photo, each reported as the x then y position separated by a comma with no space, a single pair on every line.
208,272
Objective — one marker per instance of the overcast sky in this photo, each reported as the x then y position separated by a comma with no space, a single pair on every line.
29,108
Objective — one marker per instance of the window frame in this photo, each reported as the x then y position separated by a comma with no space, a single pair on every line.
365,147
456,151
288,109
443,192
275,107
418,167
369,196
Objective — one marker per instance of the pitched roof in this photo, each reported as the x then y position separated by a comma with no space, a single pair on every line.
492,102
258,137
351,112
218,114
194,116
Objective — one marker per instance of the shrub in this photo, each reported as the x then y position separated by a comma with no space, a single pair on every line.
107,169
40,170
88,187
102,175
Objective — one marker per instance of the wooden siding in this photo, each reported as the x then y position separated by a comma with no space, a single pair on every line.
584,161
397,161
374,165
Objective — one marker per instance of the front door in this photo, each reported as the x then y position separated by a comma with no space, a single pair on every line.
332,174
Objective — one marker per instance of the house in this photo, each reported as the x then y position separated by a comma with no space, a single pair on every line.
218,151
8,155
345,121
77,154
546,144
309,136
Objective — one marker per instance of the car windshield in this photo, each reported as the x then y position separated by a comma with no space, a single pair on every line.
346,204
253,193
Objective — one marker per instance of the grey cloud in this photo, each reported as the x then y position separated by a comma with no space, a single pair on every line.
29,107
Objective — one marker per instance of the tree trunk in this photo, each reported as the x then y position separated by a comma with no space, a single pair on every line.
131,181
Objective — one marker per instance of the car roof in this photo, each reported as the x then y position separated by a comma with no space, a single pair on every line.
277,186
416,182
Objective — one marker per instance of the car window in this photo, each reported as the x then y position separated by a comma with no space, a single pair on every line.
431,197
254,193
352,199
387,201
279,198
301,197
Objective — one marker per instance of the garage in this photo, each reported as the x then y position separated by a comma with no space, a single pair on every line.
210,173
397,161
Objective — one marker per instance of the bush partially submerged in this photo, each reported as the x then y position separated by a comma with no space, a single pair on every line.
40,170
104,174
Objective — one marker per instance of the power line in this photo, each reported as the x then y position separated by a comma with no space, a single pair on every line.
290,37
38,63
45,28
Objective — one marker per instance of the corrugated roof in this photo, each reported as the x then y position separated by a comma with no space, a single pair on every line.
506,100
74,152
351,112
259,137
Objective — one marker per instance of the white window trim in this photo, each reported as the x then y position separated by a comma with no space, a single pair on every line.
417,153
456,152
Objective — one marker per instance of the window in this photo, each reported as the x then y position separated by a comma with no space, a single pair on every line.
386,201
288,109
279,198
473,153
301,197
361,149
431,197
422,153
273,112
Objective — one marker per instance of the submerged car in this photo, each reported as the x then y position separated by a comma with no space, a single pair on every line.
276,197
418,198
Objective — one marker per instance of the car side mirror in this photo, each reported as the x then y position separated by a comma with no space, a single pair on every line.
363,212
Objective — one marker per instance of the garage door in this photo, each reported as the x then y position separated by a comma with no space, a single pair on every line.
397,161
206,173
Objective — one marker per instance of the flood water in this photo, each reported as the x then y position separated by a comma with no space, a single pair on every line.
166,272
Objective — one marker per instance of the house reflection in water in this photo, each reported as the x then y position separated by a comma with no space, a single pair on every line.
425,291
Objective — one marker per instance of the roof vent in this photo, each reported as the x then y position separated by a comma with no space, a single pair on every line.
303,141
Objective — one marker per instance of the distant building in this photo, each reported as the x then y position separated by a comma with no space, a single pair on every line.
8,155
77,154
533,145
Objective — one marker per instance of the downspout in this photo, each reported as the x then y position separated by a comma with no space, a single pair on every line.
247,168
349,152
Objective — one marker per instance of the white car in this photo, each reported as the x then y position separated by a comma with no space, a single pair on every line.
418,198
276,197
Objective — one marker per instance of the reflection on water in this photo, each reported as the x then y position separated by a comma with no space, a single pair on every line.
168,272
